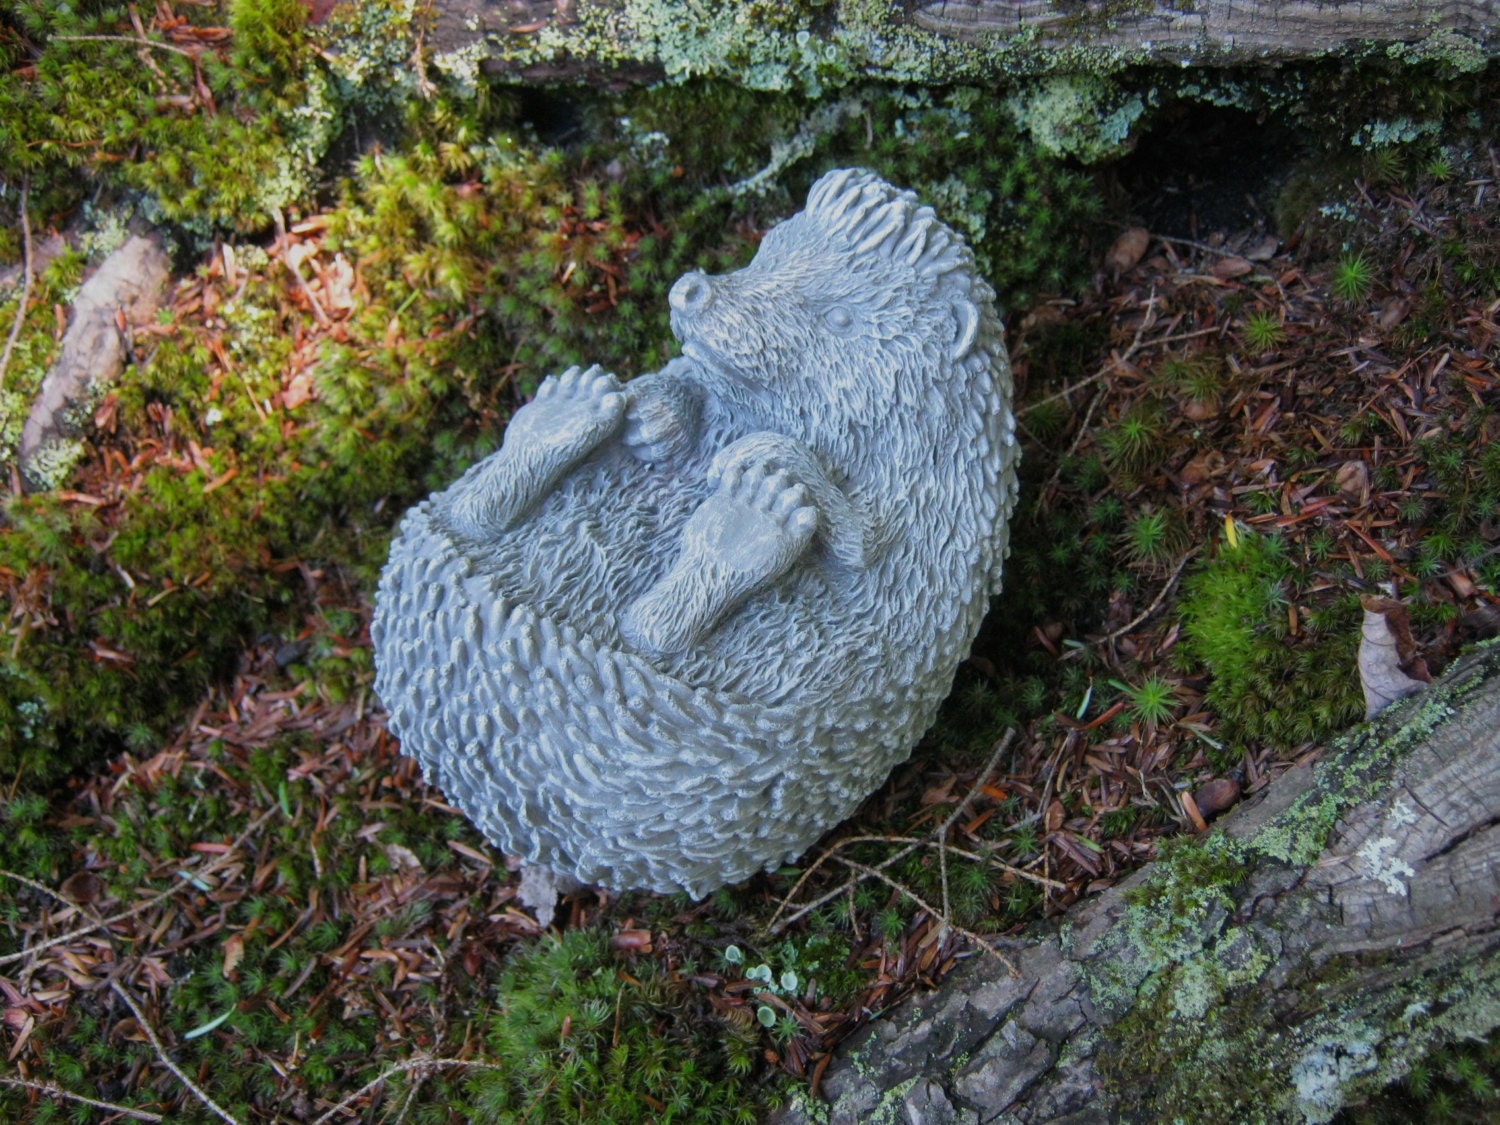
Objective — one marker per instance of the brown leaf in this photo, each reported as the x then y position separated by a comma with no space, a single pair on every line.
939,794
234,953
82,886
27,1027
1353,481
1390,668
1263,249
1201,409
1127,250
1392,313
1462,585
1190,807
1055,815
402,858
1227,269
638,940
1206,465
298,390
1213,797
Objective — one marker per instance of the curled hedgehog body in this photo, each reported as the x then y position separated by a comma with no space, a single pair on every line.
676,629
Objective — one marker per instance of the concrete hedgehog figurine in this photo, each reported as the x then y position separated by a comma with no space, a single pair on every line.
676,629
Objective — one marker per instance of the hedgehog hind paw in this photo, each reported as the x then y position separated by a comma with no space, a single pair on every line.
572,415
746,536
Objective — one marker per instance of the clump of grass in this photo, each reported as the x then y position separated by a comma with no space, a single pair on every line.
1353,278
1152,701
1263,331
1153,537
1135,443
576,1037
1199,377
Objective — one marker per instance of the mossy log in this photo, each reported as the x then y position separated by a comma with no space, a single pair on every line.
1286,964
824,43
125,292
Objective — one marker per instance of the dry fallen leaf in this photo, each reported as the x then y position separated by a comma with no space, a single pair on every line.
1390,667
1056,814
1201,409
1213,797
1127,250
1227,269
234,952
1264,249
1207,464
82,886
1353,480
1190,807
1392,313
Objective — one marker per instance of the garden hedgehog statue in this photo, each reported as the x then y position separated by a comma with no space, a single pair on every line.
676,629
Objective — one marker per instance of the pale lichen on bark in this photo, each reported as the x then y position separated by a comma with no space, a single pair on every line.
1272,971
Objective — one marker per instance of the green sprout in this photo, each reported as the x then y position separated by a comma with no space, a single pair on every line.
1353,278
1152,538
1134,443
1263,331
1152,701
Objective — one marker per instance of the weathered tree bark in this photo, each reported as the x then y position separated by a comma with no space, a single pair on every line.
125,292
808,46
1276,970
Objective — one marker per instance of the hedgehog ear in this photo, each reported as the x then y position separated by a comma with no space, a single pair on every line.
967,327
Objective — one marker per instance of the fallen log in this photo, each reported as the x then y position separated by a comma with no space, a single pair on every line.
823,45
1289,963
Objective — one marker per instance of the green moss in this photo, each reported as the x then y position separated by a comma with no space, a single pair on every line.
574,1039
1268,685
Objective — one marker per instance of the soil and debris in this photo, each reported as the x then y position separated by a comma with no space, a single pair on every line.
1206,396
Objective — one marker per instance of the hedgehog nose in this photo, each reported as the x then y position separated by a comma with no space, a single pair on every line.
692,294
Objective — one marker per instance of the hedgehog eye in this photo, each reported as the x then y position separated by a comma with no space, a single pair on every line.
840,319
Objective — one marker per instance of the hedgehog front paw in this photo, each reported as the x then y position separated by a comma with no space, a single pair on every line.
571,416
661,420
747,535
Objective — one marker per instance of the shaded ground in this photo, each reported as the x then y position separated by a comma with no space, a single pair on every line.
277,905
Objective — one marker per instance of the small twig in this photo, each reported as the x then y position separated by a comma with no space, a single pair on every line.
942,850
59,1092
1115,360
292,265
1205,247
1067,391
1155,605
422,1064
777,923
1018,872
161,1053
873,873
1083,429
183,51
143,905
15,328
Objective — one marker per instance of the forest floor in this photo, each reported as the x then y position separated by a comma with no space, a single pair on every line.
1229,439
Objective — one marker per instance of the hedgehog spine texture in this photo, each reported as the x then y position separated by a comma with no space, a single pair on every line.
856,370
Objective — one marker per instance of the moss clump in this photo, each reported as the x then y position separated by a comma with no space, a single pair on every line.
1268,685
220,124
576,1040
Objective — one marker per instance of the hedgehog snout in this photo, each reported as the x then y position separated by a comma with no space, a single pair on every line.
692,294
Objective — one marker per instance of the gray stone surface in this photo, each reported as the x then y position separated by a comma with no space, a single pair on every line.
676,629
